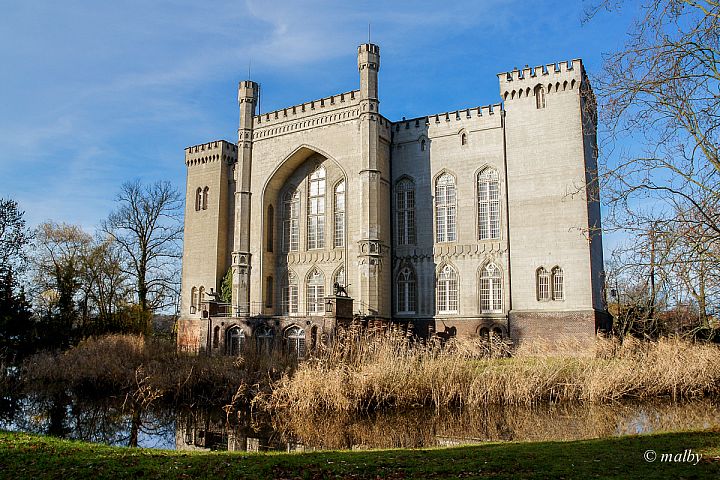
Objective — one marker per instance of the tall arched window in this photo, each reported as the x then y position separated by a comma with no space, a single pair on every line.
463,138
216,337
205,195
340,277
447,290
270,228
339,240
539,96
488,192
291,221
315,293
269,292
264,338
194,299
316,209
543,284
405,212
490,289
406,291
445,208
295,340
290,294
558,284
234,341
422,145
201,297
198,199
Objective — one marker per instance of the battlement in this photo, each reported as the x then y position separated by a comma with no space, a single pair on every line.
211,152
550,74
488,115
308,109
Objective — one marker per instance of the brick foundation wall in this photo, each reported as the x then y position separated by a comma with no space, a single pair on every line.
553,325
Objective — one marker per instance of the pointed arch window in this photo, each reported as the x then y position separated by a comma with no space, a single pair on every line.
543,284
201,297
234,341
558,284
539,97
463,138
447,291
205,195
488,192
316,293
291,221
295,341
490,289
269,292
423,145
339,240
194,300
264,339
316,209
340,277
198,199
290,294
270,228
405,212
406,291
445,208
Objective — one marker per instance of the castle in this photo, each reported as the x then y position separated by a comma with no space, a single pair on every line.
473,222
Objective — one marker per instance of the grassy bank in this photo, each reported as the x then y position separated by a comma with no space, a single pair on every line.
386,371
29,456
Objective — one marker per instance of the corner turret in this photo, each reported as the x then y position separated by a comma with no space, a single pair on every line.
369,65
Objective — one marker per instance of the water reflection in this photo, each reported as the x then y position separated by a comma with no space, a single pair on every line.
423,428
114,421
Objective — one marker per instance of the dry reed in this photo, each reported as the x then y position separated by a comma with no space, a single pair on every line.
371,370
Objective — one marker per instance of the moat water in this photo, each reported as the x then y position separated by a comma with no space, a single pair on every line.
192,427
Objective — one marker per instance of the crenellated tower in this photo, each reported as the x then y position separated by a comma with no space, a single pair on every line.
374,248
241,258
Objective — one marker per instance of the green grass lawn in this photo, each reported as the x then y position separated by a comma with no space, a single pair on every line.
32,456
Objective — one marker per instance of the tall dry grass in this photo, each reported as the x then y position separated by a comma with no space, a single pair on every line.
375,370
114,365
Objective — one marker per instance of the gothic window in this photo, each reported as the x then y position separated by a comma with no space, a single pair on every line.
488,192
340,277
463,139
406,291
339,240
264,337
198,199
447,290
269,292
295,340
558,284
291,221
270,228
194,299
422,145
201,297
490,289
235,341
205,194
543,284
290,294
316,209
216,337
539,96
405,212
316,293
445,208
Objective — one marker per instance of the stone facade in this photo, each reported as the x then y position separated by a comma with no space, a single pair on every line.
470,222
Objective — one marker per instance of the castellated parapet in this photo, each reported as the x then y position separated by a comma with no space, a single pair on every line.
554,77
467,222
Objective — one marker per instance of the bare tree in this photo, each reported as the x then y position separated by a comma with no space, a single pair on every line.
659,100
147,225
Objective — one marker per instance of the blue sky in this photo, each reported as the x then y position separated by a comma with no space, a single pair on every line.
96,93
